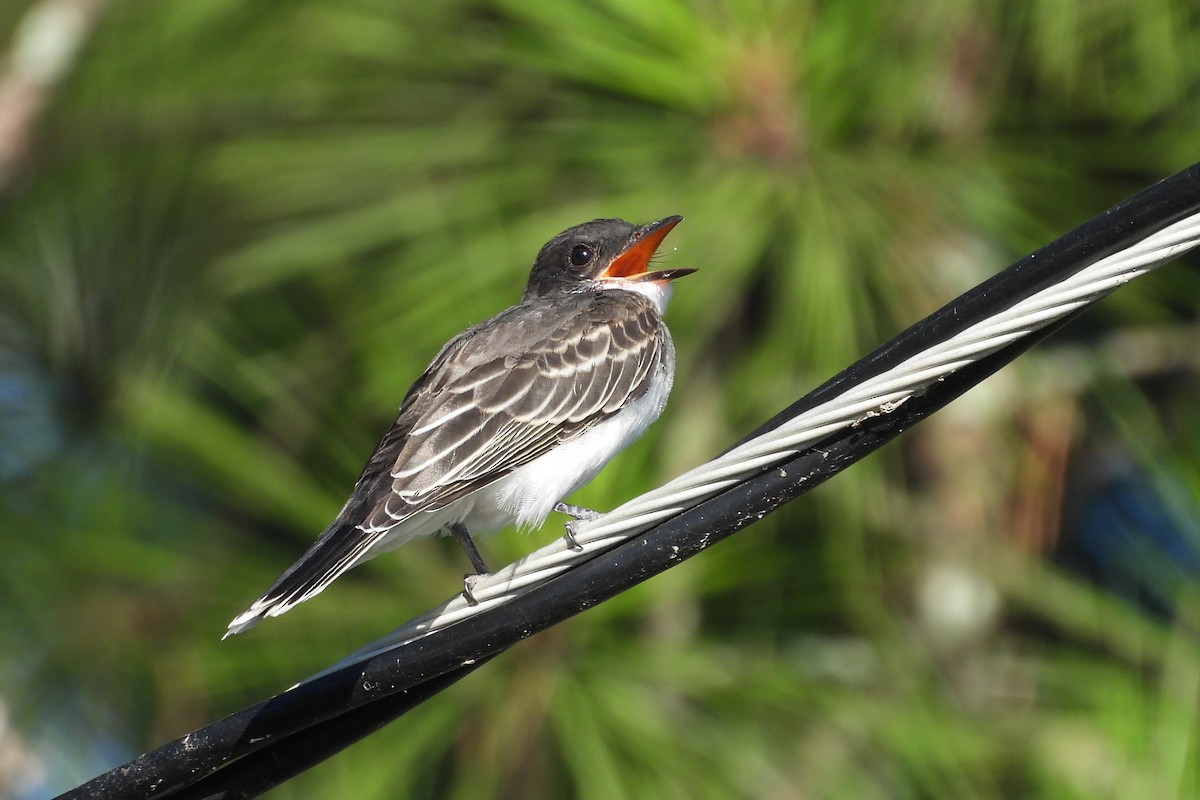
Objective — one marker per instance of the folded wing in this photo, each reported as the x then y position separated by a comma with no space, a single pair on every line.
495,398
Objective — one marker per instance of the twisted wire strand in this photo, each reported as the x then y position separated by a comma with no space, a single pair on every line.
875,396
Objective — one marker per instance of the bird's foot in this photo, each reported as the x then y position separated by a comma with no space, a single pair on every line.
572,542
469,584
580,514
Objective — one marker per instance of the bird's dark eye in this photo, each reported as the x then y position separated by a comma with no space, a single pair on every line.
581,254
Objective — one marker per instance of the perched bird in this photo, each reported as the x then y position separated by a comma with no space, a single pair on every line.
513,414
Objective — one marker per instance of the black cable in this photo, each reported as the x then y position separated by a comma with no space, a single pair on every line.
271,766
264,744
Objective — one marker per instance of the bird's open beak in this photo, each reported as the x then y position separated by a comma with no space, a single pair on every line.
630,264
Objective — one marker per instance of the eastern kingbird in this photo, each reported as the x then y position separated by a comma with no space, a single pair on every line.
514,413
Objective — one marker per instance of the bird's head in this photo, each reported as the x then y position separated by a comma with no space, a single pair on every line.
603,253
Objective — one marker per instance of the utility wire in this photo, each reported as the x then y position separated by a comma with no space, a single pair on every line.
840,422
880,395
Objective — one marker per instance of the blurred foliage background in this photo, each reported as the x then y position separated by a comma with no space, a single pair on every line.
231,234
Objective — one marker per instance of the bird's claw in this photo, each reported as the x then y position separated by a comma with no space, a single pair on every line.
569,536
579,513
469,584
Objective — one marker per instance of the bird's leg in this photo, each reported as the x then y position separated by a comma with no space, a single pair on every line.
459,531
578,513
464,538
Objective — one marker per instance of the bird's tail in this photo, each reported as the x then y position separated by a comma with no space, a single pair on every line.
339,548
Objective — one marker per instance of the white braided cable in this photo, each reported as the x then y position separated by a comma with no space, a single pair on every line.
876,396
